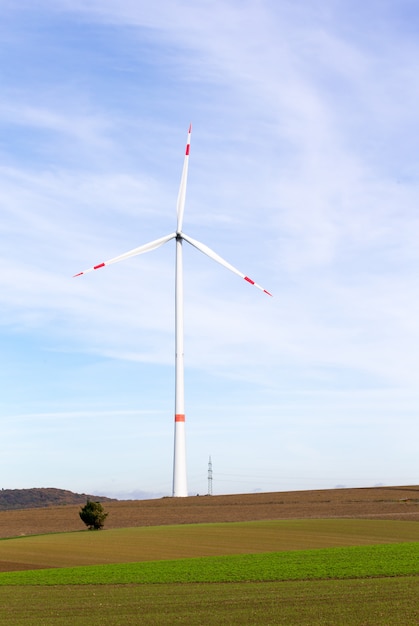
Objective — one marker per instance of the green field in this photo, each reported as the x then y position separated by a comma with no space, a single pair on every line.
195,540
325,572
386,601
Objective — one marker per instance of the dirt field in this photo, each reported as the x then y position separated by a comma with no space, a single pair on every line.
400,503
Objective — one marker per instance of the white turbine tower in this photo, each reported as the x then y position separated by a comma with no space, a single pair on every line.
179,459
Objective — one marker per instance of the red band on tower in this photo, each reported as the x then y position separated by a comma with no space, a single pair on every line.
179,417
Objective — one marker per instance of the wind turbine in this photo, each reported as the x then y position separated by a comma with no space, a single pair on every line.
179,459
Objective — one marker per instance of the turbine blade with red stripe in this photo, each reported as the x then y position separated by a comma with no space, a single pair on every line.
216,257
147,247
180,206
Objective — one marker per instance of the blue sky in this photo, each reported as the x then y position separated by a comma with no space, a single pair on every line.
303,174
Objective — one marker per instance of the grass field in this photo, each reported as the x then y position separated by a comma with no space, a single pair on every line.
196,540
382,560
370,602
353,585
276,571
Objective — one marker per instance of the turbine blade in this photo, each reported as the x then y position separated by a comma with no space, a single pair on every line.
147,247
180,205
216,257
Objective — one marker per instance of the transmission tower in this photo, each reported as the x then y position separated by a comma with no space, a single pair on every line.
210,477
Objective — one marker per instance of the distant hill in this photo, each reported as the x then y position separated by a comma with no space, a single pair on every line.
36,498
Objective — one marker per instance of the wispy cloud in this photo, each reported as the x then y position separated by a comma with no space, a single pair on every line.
303,174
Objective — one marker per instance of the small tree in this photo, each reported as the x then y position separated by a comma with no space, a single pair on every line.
93,515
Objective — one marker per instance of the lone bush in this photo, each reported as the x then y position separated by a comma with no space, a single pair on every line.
93,515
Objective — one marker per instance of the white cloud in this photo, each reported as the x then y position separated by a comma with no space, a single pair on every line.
303,175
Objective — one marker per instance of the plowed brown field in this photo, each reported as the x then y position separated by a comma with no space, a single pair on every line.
401,503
